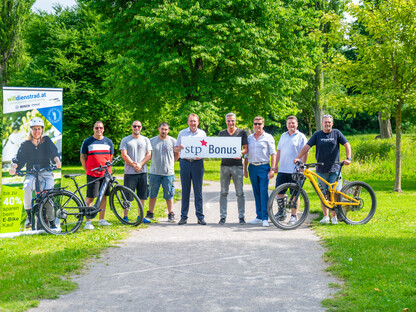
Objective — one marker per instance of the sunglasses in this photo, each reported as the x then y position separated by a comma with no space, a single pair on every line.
98,128
135,126
257,123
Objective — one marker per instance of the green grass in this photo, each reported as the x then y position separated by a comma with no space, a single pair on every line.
38,267
375,262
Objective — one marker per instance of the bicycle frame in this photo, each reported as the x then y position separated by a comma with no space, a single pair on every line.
108,180
331,203
36,171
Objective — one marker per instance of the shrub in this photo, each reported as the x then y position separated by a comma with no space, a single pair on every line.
367,150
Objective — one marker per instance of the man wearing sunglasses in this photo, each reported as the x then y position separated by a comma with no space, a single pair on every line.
261,151
96,151
136,151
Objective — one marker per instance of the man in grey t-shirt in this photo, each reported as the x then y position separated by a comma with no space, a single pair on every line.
162,169
136,151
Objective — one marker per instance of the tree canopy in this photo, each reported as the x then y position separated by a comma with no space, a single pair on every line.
384,72
169,58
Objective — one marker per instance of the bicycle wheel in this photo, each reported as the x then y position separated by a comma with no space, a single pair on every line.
366,209
60,213
288,206
126,205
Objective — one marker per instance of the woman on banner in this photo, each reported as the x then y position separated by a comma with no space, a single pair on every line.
36,150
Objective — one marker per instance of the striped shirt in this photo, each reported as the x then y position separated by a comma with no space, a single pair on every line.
98,153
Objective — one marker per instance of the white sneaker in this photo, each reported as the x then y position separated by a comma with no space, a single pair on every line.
325,220
334,220
265,223
103,222
255,221
88,226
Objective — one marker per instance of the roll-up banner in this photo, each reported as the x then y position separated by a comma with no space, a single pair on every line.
32,138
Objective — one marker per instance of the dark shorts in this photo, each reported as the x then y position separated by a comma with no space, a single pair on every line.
137,183
93,189
284,178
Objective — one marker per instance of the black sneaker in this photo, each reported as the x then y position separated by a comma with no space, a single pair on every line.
202,222
242,221
149,217
280,215
171,217
222,221
182,221
52,225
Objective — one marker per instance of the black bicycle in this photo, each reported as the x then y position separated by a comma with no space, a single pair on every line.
70,209
33,220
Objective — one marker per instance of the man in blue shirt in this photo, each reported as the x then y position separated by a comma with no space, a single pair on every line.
192,170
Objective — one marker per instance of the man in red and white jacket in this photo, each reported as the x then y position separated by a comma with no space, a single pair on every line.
96,151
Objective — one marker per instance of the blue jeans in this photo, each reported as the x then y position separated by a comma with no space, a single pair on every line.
192,172
329,177
235,172
259,177
155,180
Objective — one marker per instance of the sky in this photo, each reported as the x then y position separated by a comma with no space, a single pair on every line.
46,5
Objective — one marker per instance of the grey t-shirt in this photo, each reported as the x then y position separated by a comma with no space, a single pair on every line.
136,149
163,156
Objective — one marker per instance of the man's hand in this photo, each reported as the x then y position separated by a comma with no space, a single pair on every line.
346,162
137,167
271,174
296,160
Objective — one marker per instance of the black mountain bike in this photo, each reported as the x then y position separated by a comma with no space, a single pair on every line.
70,209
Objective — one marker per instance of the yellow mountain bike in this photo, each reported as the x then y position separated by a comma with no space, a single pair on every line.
288,204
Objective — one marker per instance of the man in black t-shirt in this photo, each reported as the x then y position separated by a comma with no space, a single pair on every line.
327,143
232,168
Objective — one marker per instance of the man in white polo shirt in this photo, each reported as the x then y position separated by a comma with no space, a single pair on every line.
290,144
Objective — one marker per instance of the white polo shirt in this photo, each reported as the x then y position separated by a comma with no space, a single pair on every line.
289,147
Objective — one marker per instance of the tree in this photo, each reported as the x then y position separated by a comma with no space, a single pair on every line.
385,70
170,58
13,14
64,54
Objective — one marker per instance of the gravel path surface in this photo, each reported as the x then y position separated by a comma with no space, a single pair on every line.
230,267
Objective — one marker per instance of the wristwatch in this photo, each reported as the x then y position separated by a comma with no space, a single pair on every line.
348,158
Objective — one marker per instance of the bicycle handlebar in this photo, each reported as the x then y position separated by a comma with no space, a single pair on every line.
108,164
35,171
301,164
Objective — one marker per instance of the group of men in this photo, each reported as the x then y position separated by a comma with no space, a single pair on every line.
261,161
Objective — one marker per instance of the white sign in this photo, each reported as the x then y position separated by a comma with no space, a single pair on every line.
211,147
24,99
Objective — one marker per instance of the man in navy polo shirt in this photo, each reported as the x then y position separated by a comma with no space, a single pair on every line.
327,143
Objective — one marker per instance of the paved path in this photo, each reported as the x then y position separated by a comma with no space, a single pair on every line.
167,267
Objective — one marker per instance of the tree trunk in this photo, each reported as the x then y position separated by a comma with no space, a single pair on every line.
398,177
317,109
385,126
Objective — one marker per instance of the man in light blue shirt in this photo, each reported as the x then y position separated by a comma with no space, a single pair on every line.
261,149
192,170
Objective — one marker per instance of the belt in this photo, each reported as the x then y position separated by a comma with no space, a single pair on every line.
260,163
191,160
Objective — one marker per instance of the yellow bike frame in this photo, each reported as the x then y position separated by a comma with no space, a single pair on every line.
332,191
